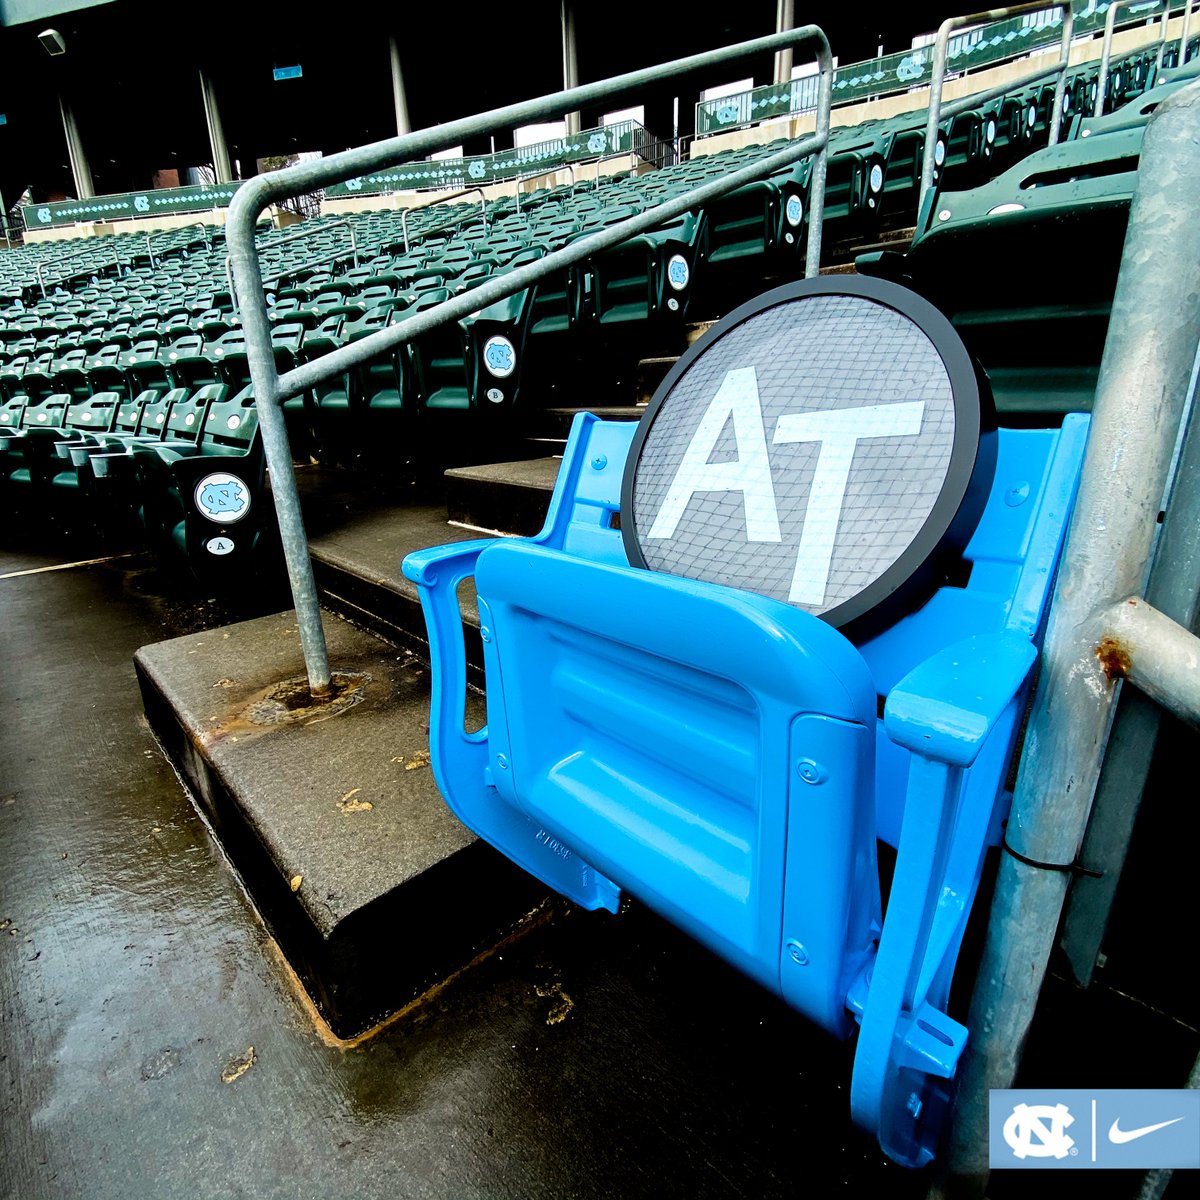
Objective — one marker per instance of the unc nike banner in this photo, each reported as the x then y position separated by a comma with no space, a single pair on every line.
1121,1129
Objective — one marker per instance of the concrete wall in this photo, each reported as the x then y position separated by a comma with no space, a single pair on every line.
216,216
583,174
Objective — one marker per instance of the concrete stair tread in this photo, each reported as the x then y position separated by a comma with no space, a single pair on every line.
343,842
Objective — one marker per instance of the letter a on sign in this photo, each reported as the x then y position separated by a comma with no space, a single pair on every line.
749,473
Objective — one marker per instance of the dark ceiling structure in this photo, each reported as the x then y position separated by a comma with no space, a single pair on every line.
131,73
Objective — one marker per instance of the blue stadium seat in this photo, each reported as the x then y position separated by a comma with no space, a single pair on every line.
732,760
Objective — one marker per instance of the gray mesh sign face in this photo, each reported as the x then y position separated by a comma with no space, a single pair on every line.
799,454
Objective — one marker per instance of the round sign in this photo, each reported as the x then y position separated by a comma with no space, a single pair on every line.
222,497
677,272
793,210
219,546
829,444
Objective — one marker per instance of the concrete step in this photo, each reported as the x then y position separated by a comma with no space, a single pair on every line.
510,497
330,813
552,426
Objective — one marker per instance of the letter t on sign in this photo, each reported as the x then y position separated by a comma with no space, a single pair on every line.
839,432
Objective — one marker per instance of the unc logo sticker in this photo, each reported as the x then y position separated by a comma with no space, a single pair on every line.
1038,1131
223,498
500,357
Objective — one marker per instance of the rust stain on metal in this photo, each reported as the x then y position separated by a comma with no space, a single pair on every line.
1114,658
288,702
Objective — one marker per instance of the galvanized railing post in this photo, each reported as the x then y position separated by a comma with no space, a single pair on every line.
270,389
1110,24
1184,34
937,78
1099,630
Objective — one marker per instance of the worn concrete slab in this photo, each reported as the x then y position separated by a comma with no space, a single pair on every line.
332,817
508,497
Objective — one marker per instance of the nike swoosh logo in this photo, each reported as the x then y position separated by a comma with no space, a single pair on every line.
1119,1136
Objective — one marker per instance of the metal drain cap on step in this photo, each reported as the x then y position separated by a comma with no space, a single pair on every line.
829,444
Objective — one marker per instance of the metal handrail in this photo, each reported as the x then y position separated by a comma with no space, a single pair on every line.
937,78
39,267
1110,24
270,388
442,200
1184,33
303,233
163,233
1100,629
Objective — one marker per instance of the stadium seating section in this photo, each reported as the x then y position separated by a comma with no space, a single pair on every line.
125,398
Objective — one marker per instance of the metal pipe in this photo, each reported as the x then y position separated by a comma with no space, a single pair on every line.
301,378
40,266
1110,24
1155,653
433,204
1173,587
937,77
1145,376
1162,44
256,193
232,290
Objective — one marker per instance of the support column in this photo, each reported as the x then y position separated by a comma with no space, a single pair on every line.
399,95
570,60
81,171
785,18
216,132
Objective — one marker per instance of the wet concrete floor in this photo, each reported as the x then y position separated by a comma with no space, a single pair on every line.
153,1045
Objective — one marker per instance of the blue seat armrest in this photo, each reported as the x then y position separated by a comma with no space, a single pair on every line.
459,758
431,568
944,712
945,708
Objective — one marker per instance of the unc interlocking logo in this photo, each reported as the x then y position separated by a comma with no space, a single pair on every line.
223,498
141,203
43,215
597,142
500,357
727,114
476,170
353,185
1039,1131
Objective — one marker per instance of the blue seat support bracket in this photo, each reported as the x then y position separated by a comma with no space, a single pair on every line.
962,702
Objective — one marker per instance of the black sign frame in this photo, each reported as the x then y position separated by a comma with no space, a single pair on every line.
931,556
